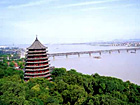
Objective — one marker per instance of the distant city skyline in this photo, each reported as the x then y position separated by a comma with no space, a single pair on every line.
61,21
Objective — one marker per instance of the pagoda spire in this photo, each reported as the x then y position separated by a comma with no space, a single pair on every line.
37,45
36,38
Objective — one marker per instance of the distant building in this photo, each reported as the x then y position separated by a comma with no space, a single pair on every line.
16,65
3,46
1,59
37,63
8,58
22,53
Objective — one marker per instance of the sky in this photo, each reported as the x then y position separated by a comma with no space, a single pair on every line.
68,21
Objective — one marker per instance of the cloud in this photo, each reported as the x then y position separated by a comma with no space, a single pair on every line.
95,8
107,7
39,2
86,3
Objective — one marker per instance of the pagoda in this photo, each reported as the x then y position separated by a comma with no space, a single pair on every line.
37,63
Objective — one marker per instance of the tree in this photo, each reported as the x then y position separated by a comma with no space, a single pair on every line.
67,87
58,72
12,92
73,94
12,64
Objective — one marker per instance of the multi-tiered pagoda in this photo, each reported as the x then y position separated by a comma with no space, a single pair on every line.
37,63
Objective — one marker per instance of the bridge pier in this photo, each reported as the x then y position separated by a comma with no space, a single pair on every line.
53,57
127,50
78,55
90,54
118,51
100,52
66,56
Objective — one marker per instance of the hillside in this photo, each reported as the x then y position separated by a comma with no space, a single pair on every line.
66,88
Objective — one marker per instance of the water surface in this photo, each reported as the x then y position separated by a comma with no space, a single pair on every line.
124,65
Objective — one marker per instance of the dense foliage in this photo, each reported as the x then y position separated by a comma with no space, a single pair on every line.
6,71
67,87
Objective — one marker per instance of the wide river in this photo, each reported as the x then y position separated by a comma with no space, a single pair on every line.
124,65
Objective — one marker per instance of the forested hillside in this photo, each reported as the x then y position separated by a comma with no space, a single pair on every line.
66,88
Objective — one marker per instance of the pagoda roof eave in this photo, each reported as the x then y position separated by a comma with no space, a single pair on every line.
37,48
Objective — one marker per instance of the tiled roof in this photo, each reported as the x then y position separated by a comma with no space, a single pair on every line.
37,45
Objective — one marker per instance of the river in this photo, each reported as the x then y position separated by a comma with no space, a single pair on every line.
124,65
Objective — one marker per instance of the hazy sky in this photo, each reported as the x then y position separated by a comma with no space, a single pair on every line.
64,21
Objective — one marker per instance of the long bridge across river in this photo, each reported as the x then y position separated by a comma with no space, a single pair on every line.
133,50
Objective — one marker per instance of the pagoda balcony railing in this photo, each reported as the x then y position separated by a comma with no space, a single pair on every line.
36,54
49,78
36,69
38,61
37,73
37,58
37,51
37,76
38,65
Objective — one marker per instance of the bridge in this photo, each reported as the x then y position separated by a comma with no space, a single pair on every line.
133,50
